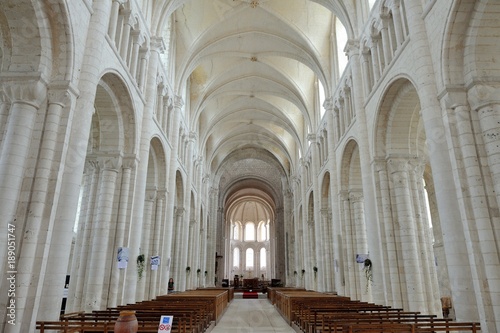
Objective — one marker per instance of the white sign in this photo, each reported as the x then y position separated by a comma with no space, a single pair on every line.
165,324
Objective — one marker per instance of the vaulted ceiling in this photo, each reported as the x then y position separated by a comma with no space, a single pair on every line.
252,71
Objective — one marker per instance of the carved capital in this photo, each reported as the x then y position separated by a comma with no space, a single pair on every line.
28,90
151,193
481,95
356,196
178,102
352,48
328,104
129,162
179,212
379,165
397,165
111,162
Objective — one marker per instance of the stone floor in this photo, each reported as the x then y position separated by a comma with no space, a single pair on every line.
252,316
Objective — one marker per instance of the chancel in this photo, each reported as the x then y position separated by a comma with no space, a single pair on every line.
292,149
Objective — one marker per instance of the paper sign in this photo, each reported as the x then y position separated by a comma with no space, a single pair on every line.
165,324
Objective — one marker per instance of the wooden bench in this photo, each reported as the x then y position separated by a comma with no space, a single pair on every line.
411,328
314,312
193,312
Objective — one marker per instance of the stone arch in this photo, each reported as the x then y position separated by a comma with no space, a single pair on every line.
403,163
178,219
310,257
43,25
154,216
113,122
353,227
110,161
326,260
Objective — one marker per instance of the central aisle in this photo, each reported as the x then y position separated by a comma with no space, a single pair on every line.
252,316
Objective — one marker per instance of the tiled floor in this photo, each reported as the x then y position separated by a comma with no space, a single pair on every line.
252,316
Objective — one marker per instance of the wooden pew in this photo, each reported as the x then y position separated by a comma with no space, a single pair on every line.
314,312
193,312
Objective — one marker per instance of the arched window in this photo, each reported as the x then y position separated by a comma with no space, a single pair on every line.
262,232
249,232
249,259
167,37
236,231
236,259
263,259
341,38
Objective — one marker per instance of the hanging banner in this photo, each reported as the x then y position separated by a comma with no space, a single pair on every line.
122,257
165,324
155,262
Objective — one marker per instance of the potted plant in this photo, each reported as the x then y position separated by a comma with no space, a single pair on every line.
198,271
315,269
188,270
141,260
206,273
303,272
294,272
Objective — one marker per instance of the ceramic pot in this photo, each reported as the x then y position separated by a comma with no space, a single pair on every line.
126,322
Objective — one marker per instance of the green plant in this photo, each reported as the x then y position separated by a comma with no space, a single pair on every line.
303,271
188,269
198,271
206,273
141,262
315,269
294,272
367,268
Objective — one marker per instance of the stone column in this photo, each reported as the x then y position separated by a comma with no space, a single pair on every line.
359,242
377,66
389,259
349,255
82,244
42,264
191,255
172,180
439,156
334,225
428,269
149,207
386,40
180,248
137,40
372,227
339,103
122,225
484,253
407,232
289,246
398,25
95,294
127,28
113,20
141,79
317,248
155,281
325,267
25,99
367,77
69,174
